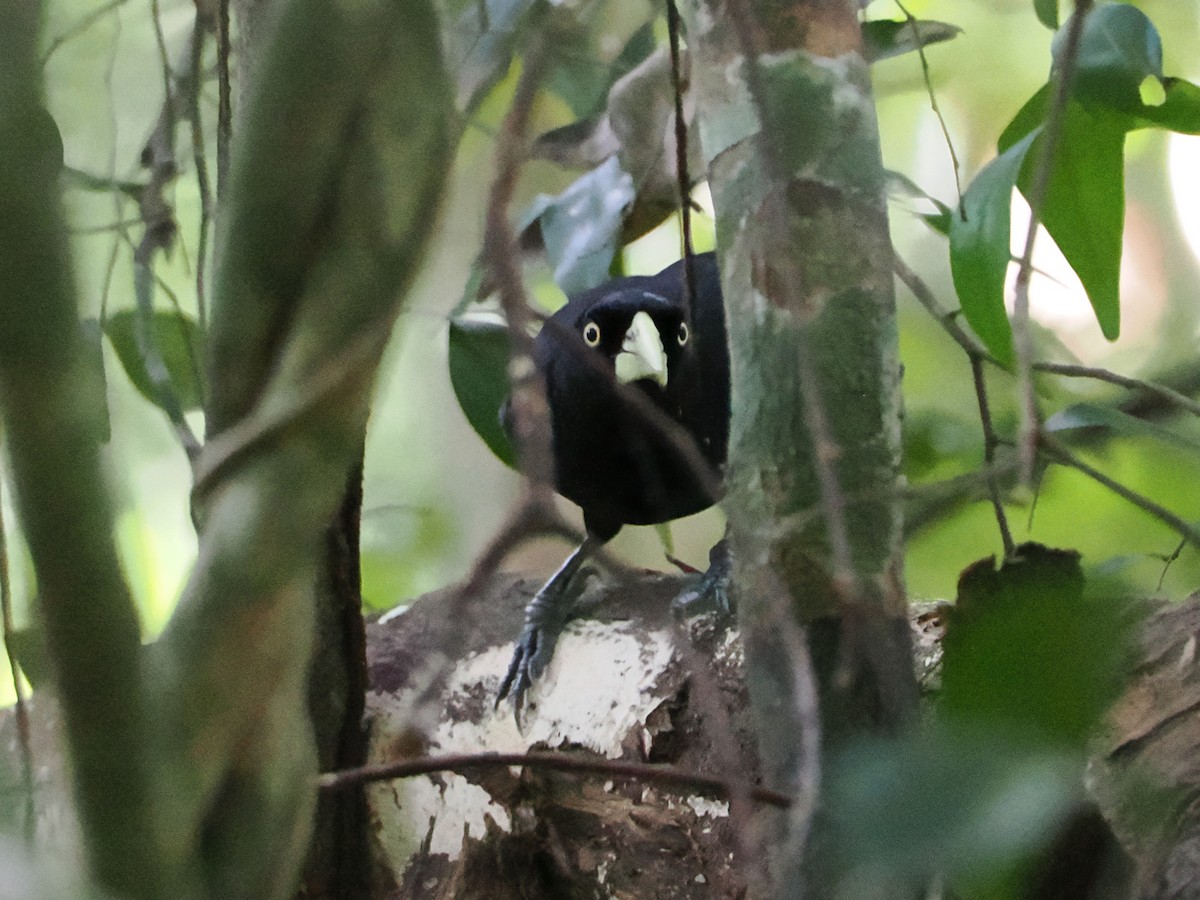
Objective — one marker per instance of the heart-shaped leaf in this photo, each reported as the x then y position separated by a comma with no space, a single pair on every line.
179,341
479,352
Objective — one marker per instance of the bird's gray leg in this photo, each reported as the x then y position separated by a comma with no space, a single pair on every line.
545,616
710,592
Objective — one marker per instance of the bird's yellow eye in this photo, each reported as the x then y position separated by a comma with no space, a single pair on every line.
684,334
591,334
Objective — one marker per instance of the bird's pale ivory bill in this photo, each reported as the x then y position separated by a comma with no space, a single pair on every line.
642,354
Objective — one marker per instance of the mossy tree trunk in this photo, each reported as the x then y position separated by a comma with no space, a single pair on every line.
788,127
194,758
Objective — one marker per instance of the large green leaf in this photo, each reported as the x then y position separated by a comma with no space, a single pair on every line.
479,353
1084,208
967,803
1029,118
1179,111
1119,48
1028,650
979,247
885,38
179,341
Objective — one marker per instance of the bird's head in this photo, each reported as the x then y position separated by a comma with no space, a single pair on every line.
642,333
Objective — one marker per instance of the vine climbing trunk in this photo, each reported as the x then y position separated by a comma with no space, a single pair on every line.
789,135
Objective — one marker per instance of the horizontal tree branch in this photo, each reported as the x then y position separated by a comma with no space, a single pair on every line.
557,762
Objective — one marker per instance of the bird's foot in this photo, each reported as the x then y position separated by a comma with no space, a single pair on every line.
710,591
532,653
545,617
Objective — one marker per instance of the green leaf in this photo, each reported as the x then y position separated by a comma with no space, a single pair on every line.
885,38
29,648
581,227
479,354
965,802
1047,12
1084,208
900,185
979,248
1179,111
1119,48
180,342
1029,118
1087,416
1027,651
480,46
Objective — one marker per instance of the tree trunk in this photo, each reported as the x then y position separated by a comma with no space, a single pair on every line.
788,128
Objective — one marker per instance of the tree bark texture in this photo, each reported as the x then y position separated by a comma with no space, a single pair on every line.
788,128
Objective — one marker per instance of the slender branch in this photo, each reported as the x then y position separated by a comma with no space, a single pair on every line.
164,60
683,179
556,762
1134,384
201,28
1027,435
531,414
1169,560
1059,452
977,356
990,442
158,156
224,97
80,27
946,319
21,711
933,104
86,181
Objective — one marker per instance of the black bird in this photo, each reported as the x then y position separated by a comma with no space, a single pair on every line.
638,392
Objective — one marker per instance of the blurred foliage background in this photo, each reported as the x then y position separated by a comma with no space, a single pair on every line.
434,493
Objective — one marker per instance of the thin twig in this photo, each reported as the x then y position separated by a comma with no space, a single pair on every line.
977,356
80,27
916,32
200,158
683,179
1059,452
86,181
21,709
86,230
1168,561
946,319
530,412
557,762
990,442
224,97
1027,434
164,59
158,156
1134,384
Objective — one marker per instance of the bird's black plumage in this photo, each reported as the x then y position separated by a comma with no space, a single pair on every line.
623,461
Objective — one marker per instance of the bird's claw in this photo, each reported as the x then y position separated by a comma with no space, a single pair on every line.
710,591
532,653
